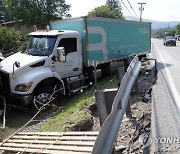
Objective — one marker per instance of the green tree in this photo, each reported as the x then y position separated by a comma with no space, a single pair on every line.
10,39
105,11
37,12
178,29
1,7
3,13
114,4
170,32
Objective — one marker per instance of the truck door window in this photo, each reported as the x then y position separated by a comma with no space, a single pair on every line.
69,44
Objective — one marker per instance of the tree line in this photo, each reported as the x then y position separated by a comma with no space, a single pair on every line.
41,12
161,33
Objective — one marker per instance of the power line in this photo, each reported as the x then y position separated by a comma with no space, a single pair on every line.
132,9
141,9
128,10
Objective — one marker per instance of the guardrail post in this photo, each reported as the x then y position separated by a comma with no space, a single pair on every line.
121,73
95,75
109,97
104,100
101,106
136,87
126,63
128,111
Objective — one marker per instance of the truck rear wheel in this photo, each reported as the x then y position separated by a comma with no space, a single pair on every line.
43,95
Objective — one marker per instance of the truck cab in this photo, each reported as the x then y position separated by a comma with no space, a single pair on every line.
52,61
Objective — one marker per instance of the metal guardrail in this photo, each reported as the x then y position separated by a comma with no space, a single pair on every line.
106,138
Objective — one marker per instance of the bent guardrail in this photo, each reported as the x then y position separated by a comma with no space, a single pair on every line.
108,133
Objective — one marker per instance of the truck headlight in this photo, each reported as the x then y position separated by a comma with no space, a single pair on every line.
23,87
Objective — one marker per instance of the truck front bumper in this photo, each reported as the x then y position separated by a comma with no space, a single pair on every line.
22,100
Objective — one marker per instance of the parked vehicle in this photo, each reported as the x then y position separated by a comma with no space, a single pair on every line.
63,58
177,37
169,40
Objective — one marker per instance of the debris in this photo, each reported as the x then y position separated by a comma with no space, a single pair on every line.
120,148
135,131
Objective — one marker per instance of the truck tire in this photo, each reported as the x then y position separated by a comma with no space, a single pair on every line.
43,95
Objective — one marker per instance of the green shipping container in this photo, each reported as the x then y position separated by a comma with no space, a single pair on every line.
105,39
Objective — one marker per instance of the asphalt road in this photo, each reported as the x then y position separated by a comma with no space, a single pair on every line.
165,125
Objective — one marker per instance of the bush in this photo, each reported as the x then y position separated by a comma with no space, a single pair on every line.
10,40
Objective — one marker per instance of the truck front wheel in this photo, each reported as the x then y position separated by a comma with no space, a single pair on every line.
43,95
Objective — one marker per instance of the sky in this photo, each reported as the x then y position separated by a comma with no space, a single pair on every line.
159,10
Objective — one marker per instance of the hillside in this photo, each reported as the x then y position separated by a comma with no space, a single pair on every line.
156,24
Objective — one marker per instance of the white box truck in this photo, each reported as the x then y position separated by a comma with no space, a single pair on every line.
63,56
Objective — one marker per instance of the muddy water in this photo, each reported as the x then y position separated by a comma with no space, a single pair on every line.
18,117
15,119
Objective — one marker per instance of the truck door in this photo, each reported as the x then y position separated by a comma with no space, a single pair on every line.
73,64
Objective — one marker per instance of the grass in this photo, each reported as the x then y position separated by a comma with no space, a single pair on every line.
74,111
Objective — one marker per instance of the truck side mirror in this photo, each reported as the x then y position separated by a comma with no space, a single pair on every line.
61,54
17,64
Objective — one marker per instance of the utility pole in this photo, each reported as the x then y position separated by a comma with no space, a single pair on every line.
141,9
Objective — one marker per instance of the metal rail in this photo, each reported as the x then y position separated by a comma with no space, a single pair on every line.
107,135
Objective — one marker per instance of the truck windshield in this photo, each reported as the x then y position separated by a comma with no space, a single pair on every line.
41,45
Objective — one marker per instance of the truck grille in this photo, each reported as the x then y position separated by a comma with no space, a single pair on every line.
4,82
